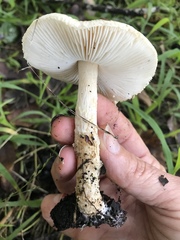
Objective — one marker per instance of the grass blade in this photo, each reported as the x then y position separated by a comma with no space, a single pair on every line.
21,203
6,174
177,166
22,226
158,25
159,133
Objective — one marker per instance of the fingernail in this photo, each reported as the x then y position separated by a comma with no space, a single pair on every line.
59,158
56,117
57,198
111,141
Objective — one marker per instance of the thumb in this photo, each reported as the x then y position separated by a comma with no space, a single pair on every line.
136,176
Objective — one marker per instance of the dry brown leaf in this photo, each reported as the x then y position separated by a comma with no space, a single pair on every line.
7,158
145,98
154,145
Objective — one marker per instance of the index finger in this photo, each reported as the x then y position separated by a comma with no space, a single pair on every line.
108,114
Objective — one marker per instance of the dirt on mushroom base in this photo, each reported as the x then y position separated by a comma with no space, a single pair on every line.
67,208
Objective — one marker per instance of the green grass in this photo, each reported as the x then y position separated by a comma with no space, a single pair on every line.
20,208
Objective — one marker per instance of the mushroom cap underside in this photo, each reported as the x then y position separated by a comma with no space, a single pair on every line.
126,59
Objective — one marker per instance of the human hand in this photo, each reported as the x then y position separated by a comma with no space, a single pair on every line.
153,210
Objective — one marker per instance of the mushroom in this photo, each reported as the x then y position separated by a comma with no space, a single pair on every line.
108,57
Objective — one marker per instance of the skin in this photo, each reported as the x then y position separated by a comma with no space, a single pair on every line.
153,210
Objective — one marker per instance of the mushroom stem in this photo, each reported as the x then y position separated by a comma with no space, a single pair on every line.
86,146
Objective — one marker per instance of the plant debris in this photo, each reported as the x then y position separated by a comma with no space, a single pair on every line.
67,208
163,180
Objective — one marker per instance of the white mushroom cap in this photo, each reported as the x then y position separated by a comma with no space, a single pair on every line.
126,59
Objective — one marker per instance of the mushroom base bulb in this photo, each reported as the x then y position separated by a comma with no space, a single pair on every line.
67,208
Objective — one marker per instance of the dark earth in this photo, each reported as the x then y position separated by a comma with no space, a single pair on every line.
72,218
